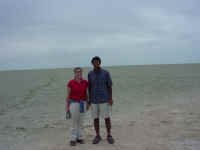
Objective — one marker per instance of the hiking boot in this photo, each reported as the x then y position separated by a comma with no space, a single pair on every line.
96,140
110,139
81,141
72,143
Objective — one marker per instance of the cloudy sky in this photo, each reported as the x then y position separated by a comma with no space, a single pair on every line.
68,33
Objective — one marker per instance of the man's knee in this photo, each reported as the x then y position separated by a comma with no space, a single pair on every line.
96,119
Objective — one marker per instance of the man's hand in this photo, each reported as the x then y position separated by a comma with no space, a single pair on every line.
87,106
110,101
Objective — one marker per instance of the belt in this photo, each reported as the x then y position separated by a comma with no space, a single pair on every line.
81,102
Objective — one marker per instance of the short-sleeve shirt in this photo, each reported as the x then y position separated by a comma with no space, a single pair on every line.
99,81
78,90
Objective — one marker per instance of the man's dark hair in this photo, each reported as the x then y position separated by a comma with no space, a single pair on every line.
96,58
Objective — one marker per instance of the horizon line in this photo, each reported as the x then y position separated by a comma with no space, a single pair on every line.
52,68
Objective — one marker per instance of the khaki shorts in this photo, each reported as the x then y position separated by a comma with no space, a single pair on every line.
100,110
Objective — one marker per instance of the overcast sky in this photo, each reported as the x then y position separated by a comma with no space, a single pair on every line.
68,33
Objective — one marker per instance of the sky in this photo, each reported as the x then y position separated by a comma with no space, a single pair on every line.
68,33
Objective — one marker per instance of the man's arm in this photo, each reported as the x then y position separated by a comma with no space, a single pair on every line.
87,101
109,86
110,95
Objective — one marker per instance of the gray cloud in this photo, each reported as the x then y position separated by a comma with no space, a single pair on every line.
48,33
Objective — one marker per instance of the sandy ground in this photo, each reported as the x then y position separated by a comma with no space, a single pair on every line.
158,127
153,110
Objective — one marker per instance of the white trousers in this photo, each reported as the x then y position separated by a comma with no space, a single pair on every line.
77,121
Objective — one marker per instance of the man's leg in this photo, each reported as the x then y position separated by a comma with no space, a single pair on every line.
95,116
105,111
108,126
96,126
97,138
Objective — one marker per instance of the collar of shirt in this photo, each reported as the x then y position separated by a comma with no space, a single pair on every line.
77,81
97,71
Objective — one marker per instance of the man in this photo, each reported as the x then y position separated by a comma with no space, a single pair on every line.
100,97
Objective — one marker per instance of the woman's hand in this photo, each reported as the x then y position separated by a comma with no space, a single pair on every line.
67,108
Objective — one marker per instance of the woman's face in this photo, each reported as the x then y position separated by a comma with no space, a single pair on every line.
78,74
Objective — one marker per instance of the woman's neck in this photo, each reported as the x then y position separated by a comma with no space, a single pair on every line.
78,80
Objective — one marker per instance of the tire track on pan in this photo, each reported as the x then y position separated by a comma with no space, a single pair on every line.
28,98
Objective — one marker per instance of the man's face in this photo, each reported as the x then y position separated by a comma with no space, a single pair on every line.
96,63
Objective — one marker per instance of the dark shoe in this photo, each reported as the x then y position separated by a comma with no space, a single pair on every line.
96,140
81,141
72,143
110,139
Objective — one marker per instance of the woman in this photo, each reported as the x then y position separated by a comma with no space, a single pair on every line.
76,103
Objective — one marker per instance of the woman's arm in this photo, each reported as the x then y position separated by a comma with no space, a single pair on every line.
67,99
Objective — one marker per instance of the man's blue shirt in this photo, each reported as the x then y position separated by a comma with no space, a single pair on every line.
98,83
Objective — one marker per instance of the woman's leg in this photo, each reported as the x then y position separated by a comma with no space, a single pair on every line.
81,121
74,109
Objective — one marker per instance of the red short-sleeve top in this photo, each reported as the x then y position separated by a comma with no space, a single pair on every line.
78,90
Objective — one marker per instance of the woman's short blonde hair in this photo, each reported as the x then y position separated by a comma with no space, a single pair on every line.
77,68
